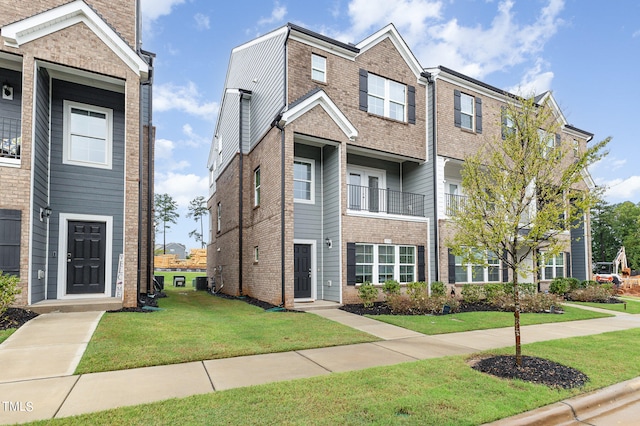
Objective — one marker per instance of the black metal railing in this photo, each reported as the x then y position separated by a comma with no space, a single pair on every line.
377,200
10,137
454,203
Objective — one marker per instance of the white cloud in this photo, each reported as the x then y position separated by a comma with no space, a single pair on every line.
277,14
636,34
619,190
202,21
534,82
194,140
153,9
163,149
167,97
181,187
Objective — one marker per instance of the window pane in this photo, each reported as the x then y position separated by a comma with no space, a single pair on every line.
375,105
385,272
407,255
301,170
318,62
461,274
364,254
396,111
477,274
407,273
396,92
302,190
376,85
466,104
317,75
466,121
494,274
386,254
364,273
87,149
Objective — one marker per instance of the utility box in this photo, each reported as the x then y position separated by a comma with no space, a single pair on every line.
179,280
201,283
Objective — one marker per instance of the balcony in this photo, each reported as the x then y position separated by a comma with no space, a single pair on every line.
385,201
10,138
454,203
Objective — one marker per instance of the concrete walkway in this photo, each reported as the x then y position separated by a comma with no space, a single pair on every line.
40,385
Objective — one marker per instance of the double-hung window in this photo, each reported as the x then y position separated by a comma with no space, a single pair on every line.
377,263
87,139
466,111
303,180
319,68
386,97
553,266
483,267
256,187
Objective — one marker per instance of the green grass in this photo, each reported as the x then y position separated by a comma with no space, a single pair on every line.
468,321
195,325
443,391
4,334
630,308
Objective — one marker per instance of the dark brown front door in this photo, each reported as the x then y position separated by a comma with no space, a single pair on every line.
302,270
86,257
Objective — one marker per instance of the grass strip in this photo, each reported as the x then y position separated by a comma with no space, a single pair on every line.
629,308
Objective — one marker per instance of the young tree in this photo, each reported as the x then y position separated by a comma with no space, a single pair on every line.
197,210
166,212
523,191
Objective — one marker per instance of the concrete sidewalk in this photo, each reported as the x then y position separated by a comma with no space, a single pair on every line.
53,392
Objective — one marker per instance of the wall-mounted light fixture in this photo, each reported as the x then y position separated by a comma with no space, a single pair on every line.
328,242
7,91
45,213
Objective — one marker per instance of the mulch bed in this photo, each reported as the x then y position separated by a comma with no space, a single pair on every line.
380,308
255,302
16,318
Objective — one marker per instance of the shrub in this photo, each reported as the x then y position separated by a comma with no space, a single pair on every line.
589,283
559,286
8,290
434,305
417,290
574,283
495,291
400,304
527,288
391,287
598,294
368,293
472,293
539,302
438,288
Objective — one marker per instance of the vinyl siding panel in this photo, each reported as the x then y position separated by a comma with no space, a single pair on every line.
40,185
330,224
228,131
308,217
86,190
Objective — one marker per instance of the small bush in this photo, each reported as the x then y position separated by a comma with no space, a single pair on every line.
539,302
495,291
589,283
8,290
472,293
391,287
438,288
598,294
417,290
368,293
574,283
400,304
559,286
434,305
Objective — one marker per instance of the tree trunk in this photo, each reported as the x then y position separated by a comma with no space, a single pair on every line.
516,316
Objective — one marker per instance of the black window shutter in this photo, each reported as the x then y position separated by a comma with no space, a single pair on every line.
452,267
567,266
364,90
503,120
421,268
411,104
457,120
505,269
10,225
351,263
558,139
478,115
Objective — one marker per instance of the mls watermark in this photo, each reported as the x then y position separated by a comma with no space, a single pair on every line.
17,406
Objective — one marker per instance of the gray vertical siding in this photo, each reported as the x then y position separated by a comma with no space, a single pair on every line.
40,185
86,190
260,68
578,253
331,225
308,217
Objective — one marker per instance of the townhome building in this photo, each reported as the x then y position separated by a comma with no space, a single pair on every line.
334,164
76,153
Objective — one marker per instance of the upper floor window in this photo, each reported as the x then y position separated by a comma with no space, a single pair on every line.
87,137
467,111
319,68
219,217
386,97
303,180
576,148
256,187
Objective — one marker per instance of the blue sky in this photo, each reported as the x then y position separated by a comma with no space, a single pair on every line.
586,51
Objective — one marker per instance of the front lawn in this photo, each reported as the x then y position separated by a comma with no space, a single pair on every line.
4,334
631,307
444,391
467,321
194,325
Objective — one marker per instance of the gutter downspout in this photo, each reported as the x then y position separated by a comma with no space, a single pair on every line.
432,84
240,195
150,188
282,178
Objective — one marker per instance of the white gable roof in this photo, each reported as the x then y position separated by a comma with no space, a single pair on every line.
322,99
59,18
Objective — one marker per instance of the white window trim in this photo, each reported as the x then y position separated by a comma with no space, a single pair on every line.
396,265
485,278
320,70
473,112
365,173
219,217
313,181
553,265
63,247
387,99
66,143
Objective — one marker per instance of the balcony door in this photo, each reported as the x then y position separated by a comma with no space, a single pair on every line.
367,190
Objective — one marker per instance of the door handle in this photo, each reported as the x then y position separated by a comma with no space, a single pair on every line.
309,272
68,257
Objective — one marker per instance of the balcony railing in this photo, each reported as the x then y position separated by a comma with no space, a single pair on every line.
10,138
454,203
377,200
